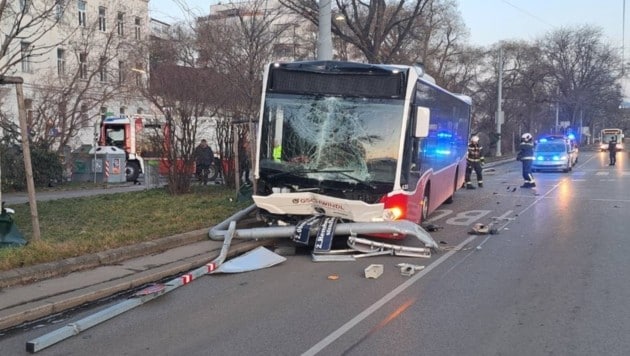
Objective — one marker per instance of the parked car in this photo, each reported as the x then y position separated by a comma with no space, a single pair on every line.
555,154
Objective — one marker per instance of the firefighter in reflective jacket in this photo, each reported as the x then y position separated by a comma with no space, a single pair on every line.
526,156
474,161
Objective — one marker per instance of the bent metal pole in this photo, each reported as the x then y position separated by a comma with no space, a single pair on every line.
77,327
399,227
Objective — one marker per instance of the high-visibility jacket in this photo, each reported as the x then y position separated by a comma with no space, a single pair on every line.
277,153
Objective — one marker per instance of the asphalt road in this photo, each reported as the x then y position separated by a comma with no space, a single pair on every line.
554,280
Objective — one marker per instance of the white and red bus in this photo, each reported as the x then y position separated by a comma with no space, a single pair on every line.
607,135
361,142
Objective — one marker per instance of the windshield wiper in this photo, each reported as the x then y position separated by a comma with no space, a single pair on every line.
344,172
290,172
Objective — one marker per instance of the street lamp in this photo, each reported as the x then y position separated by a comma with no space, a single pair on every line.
499,102
324,40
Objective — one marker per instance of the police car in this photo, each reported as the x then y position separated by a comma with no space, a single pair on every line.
555,152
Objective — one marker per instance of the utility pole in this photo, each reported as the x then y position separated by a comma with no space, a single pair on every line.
623,40
324,40
499,100
28,167
555,129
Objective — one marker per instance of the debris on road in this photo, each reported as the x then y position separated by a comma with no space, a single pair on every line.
483,229
408,269
373,271
432,227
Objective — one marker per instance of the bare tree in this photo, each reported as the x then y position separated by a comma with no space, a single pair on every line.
92,69
568,70
585,74
184,93
23,24
237,43
526,101
379,29
68,99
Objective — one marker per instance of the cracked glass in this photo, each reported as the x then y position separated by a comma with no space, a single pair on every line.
332,138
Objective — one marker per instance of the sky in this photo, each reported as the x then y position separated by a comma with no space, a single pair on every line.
488,21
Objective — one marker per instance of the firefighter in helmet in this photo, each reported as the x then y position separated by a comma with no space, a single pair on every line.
474,161
526,156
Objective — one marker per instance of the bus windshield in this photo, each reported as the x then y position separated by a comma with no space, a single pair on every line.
336,138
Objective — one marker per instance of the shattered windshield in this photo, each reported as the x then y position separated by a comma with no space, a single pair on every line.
331,138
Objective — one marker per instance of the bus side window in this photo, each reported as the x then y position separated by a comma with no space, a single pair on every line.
416,163
416,156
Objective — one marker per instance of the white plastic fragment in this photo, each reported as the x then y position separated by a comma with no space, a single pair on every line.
408,269
373,271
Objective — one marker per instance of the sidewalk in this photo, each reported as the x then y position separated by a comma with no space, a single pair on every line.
93,277
22,197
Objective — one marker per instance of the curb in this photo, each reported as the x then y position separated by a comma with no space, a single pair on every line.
38,272
29,312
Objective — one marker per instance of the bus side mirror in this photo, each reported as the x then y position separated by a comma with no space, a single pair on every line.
422,122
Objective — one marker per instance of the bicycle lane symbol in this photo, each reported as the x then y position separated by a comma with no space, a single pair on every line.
464,218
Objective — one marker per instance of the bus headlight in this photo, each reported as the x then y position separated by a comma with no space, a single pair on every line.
392,214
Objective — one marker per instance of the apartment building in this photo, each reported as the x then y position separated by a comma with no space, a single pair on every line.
84,60
295,38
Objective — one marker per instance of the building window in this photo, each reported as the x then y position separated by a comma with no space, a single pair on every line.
84,111
26,57
25,5
83,66
59,8
120,24
28,106
82,21
101,19
137,28
121,72
103,113
138,73
102,69
122,111
61,61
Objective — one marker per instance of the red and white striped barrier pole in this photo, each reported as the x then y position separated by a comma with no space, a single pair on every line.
75,328
106,171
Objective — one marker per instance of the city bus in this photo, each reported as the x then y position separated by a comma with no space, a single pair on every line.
360,142
607,135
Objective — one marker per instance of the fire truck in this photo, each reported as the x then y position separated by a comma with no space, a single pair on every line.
123,132
141,137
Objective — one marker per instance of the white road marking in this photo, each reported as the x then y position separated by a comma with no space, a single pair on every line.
379,303
396,291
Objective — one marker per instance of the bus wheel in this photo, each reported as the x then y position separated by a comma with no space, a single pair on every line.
132,171
425,205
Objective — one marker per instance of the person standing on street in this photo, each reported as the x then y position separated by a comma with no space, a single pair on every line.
526,156
245,162
203,159
474,161
612,151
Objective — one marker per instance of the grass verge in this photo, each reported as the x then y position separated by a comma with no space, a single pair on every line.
78,226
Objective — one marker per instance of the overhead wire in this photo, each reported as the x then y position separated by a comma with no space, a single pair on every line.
529,14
